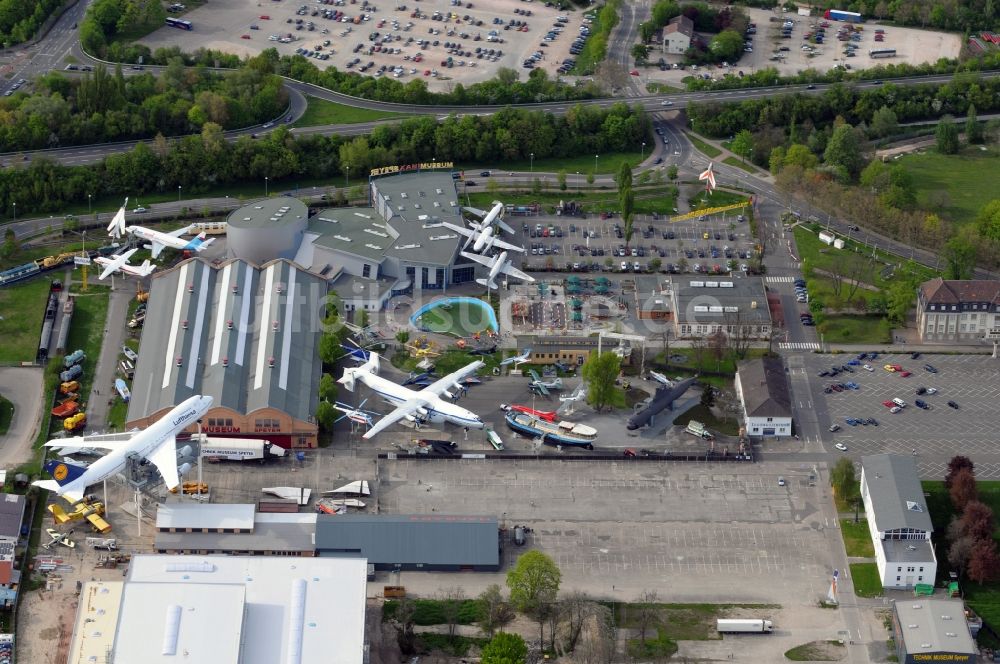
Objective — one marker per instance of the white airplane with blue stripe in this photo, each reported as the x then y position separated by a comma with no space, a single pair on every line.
417,406
158,241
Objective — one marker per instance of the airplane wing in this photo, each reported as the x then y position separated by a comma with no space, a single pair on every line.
506,245
476,212
180,231
405,409
442,384
156,248
514,272
484,260
115,263
459,229
534,374
540,388
164,457
105,441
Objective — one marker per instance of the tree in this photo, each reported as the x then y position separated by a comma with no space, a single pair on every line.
843,480
843,151
883,123
963,489
641,53
561,179
327,388
496,612
601,371
451,607
505,649
960,552
623,178
973,131
988,220
946,135
654,264
403,336
956,465
590,177
707,396
628,206
672,172
742,144
647,613
726,46
984,563
405,611
977,520
534,585
575,609
9,243
325,415
959,254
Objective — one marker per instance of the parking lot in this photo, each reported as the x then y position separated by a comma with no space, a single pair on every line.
969,380
433,40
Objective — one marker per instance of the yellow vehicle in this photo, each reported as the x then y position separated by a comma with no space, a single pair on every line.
76,422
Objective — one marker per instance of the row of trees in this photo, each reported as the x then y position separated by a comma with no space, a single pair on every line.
106,106
972,550
108,21
20,20
728,23
958,15
857,106
207,160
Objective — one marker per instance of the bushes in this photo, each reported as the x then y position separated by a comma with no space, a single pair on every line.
20,19
433,612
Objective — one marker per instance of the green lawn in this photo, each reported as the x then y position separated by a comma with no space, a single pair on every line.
647,200
595,49
702,146
855,330
739,163
727,427
584,164
90,314
682,622
117,415
6,414
457,647
663,87
323,112
968,178
857,540
817,651
657,646
460,319
22,308
433,611
716,199
866,581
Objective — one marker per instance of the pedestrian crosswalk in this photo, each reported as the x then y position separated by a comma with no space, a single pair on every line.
799,345
779,280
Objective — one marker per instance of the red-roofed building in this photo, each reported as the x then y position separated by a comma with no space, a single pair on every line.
957,311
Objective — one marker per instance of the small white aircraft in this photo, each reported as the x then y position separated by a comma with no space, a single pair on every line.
482,238
156,443
660,378
158,241
517,360
416,406
119,263
497,265
355,414
58,538
577,394
487,219
543,386
708,175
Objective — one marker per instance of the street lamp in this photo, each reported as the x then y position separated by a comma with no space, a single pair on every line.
347,175
642,153
88,203
15,210
532,155
595,165
265,186
178,193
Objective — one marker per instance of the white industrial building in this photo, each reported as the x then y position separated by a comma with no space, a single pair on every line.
677,35
765,400
225,610
898,520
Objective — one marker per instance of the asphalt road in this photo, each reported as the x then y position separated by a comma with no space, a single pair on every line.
49,53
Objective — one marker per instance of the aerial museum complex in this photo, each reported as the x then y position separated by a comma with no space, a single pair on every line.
295,417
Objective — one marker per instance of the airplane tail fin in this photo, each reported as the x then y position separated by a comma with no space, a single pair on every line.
63,473
487,283
146,268
200,243
351,375
117,226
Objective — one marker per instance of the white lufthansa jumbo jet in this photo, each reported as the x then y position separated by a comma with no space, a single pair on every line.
158,241
157,443
417,406
498,264
119,263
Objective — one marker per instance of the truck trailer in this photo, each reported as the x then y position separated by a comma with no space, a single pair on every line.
240,449
840,15
743,626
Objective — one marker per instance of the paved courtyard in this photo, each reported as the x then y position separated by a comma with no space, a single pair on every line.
970,380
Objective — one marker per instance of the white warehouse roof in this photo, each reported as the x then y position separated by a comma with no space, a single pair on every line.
242,610
207,516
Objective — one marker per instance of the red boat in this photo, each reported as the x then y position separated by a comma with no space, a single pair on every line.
547,415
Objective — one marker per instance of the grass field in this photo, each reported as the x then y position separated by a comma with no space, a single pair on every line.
705,416
461,319
6,414
717,199
739,163
968,178
856,330
857,540
323,112
647,200
605,164
817,651
866,581
596,48
90,314
682,622
22,308
702,146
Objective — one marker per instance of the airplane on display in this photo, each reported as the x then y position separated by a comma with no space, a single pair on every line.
543,386
490,218
158,241
355,414
119,263
708,175
577,394
417,406
660,378
497,265
355,352
482,239
58,538
157,443
517,360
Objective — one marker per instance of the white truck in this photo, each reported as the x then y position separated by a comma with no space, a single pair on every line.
240,449
744,626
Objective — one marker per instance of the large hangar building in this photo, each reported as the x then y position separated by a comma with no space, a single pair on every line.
243,334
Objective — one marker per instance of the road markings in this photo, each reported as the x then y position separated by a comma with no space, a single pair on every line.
799,345
779,280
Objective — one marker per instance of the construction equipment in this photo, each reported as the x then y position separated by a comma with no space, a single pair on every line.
707,211
75,422
78,511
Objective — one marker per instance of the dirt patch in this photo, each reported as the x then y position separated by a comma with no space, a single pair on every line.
818,651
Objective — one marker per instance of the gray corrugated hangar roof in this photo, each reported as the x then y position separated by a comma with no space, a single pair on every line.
245,335
896,494
412,541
